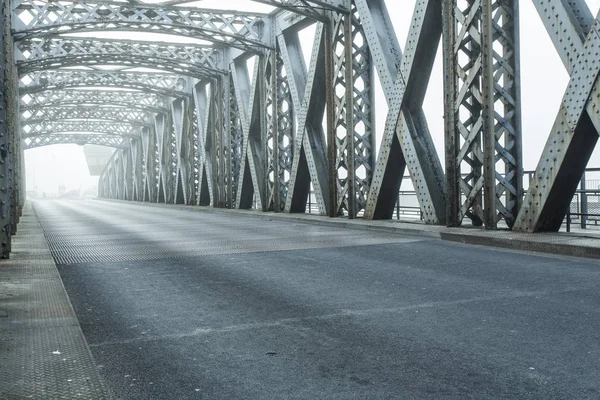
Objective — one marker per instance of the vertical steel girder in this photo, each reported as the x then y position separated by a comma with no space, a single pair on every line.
281,132
5,127
136,170
148,144
482,117
11,150
163,142
576,36
236,142
220,130
202,99
182,126
353,156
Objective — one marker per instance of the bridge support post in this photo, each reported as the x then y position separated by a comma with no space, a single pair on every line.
353,156
281,134
483,115
5,127
202,98
148,167
181,110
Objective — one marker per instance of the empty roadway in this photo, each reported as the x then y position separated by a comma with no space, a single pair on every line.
181,304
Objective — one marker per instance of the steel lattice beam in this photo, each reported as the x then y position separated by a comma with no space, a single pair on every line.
79,139
354,137
152,83
68,126
313,9
236,29
281,133
58,98
113,114
39,54
483,116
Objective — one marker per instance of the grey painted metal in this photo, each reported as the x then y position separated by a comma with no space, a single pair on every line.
502,107
352,166
482,117
112,114
307,88
575,130
182,124
38,54
82,126
406,140
250,114
313,9
148,165
238,29
162,84
204,164
281,133
104,139
207,130
68,98
5,133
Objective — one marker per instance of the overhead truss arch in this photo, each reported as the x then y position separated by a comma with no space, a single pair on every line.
41,115
115,141
82,126
243,30
149,102
161,84
39,54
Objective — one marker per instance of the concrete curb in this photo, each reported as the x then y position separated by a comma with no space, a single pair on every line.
573,250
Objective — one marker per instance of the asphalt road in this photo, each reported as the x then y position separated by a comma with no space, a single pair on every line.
178,304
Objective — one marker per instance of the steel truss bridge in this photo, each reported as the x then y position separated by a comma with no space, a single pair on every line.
193,124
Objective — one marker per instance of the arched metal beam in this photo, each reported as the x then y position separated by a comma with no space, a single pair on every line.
247,31
108,114
58,98
67,126
313,9
79,139
156,83
52,53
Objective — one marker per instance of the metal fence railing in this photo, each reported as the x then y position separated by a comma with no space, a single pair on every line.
583,211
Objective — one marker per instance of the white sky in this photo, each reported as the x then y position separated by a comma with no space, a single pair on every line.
543,80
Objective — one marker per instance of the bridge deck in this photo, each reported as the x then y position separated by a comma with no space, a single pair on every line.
179,304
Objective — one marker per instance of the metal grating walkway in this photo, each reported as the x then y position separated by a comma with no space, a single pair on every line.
43,354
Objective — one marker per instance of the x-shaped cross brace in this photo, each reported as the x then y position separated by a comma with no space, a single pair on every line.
575,131
406,141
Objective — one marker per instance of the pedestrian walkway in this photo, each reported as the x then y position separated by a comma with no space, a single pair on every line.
43,353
